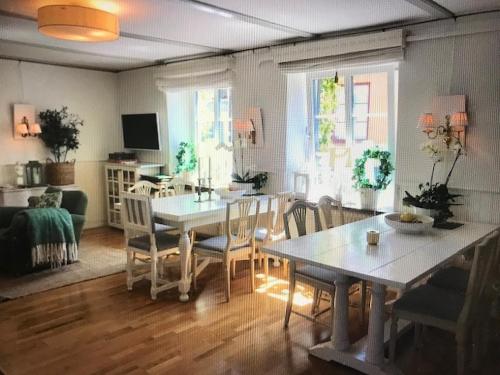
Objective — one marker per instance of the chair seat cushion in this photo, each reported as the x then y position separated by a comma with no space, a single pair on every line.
261,233
163,241
218,243
162,227
317,273
452,278
431,301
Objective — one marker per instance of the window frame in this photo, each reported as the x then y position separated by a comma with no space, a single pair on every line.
313,101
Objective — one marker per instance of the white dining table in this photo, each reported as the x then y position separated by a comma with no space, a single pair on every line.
398,261
185,213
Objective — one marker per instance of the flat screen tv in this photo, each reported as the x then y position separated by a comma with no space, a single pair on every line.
140,131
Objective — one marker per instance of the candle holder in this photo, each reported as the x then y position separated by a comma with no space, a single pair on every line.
199,191
209,188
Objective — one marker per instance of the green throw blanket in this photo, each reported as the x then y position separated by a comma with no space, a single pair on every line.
51,235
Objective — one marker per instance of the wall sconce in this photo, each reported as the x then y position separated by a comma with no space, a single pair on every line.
453,129
247,128
24,129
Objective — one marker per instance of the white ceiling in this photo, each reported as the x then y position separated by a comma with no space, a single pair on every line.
156,30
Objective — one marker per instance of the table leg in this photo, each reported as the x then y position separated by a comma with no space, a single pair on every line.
185,257
375,339
340,334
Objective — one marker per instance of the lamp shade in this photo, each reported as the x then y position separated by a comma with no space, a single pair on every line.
73,22
35,129
243,126
22,129
426,121
459,119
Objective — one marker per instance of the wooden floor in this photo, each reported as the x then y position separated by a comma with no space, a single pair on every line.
98,327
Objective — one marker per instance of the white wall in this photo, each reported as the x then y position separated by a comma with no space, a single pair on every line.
90,94
436,63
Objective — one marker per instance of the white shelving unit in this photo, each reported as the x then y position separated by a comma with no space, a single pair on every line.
119,177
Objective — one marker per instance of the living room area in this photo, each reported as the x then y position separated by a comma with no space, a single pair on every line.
230,186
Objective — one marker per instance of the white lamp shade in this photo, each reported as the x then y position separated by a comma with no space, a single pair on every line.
78,23
22,129
459,119
35,128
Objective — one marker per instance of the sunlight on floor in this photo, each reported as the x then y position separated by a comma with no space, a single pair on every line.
278,288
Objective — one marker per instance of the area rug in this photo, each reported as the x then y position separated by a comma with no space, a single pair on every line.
94,262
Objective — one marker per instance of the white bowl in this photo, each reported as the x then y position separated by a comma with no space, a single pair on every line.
425,224
229,194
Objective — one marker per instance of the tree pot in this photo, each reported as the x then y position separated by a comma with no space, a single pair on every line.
60,173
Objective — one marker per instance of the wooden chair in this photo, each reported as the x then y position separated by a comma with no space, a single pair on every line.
333,216
179,186
274,229
316,277
148,189
301,185
142,238
448,309
231,247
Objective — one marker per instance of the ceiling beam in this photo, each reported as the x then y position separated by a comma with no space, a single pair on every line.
124,34
433,8
224,12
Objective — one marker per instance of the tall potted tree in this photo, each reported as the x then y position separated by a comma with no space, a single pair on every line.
60,135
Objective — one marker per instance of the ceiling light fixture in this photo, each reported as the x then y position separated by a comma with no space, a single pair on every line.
73,22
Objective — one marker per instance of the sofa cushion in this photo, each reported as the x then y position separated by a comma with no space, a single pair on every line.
49,200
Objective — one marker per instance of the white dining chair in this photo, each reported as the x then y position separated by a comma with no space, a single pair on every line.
142,238
274,229
301,184
450,310
332,215
179,186
236,245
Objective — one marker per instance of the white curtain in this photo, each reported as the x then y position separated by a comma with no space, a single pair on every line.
374,48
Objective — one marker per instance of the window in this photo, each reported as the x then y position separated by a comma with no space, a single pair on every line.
213,128
346,118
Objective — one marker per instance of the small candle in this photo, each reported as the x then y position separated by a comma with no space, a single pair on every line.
372,237
199,168
209,167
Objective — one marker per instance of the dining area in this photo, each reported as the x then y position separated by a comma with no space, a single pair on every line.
400,277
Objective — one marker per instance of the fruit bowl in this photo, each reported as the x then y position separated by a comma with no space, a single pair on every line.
420,223
225,193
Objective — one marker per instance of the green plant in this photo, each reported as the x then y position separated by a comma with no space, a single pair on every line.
328,105
259,180
435,196
60,132
186,158
383,174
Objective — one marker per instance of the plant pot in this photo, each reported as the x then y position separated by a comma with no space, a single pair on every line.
368,199
247,186
60,173
435,214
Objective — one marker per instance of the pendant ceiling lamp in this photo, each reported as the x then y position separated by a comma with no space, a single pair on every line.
73,22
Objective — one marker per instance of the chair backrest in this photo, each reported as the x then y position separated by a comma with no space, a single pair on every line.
144,187
478,279
136,214
299,211
179,186
331,210
283,199
301,185
241,229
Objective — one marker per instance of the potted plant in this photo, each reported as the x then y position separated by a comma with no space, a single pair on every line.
435,199
186,160
60,134
368,187
243,180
